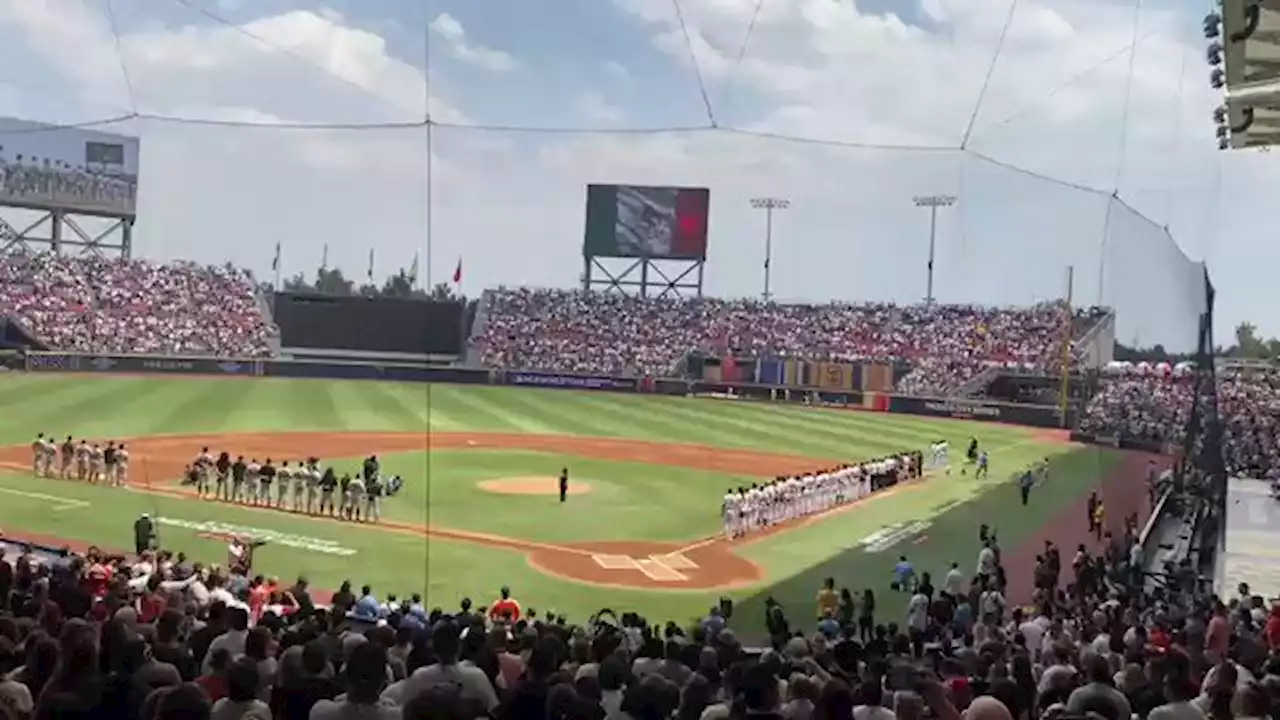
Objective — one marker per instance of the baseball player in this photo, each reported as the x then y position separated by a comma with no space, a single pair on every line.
68,458
122,466
284,483
203,467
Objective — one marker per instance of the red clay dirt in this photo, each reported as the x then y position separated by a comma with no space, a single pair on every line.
699,565
1123,491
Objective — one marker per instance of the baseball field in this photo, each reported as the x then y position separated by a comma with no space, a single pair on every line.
640,530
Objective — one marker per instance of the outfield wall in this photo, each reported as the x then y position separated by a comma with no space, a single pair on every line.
991,411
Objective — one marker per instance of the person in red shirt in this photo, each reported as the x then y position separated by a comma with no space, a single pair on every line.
152,604
98,579
1272,630
505,608
1217,639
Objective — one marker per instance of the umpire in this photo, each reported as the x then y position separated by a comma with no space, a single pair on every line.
144,534
564,484
1024,485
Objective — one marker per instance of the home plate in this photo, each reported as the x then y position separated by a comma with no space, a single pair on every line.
676,561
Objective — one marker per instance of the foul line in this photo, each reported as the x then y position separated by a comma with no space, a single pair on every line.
60,503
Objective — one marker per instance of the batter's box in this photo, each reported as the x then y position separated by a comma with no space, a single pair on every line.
655,570
615,562
675,561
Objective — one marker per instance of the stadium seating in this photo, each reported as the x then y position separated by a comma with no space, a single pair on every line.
573,331
100,305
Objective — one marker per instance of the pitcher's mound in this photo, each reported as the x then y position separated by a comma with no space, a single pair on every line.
533,485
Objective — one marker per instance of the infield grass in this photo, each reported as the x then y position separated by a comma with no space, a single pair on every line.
631,501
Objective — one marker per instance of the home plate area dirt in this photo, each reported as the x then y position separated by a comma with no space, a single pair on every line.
701,564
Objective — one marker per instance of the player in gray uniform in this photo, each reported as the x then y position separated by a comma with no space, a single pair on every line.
354,498
372,498
284,481
203,467
252,474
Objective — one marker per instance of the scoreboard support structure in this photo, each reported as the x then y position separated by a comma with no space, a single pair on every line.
25,230
646,277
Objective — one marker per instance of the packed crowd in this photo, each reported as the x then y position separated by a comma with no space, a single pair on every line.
158,636
57,183
100,305
574,331
1152,402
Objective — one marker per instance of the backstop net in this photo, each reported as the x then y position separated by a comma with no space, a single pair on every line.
301,141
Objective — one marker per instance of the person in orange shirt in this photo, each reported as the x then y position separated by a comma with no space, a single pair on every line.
828,599
505,607
259,593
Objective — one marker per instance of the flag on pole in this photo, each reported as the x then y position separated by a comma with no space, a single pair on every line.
324,258
457,273
413,270
275,263
370,273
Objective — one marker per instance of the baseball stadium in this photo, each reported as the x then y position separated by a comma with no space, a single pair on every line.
692,360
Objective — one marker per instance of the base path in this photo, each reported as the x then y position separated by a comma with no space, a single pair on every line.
707,564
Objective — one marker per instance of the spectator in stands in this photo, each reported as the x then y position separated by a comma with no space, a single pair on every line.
610,333
121,306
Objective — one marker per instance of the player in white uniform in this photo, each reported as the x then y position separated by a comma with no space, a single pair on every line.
313,488
122,466
284,483
38,455
729,512
301,479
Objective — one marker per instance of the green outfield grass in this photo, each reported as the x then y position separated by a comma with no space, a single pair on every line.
631,501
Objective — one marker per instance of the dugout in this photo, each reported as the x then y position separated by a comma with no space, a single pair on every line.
316,326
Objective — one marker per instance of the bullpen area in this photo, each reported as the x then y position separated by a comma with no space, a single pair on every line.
640,529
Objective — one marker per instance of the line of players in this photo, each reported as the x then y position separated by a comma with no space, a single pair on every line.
80,460
301,487
787,498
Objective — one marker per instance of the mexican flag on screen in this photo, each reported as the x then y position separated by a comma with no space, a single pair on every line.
639,221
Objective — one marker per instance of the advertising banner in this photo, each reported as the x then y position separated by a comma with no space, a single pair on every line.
48,166
578,382
67,362
1035,415
646,222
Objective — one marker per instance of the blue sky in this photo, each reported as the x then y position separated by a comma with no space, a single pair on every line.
1064,102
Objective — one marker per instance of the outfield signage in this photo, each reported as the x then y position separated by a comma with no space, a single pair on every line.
219,530
1018,414
581,382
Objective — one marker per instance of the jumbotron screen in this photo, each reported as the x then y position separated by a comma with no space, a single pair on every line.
661,223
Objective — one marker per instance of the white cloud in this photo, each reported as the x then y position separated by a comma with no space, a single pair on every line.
593,106
617,71
455,37
511,202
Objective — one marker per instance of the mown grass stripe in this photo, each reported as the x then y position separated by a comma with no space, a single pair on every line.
495,411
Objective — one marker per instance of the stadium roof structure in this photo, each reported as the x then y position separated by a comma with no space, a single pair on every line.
1250,51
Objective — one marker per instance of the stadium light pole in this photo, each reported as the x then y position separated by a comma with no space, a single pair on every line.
933,202
768,204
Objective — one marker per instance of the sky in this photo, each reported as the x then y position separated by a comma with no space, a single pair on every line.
1067,143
